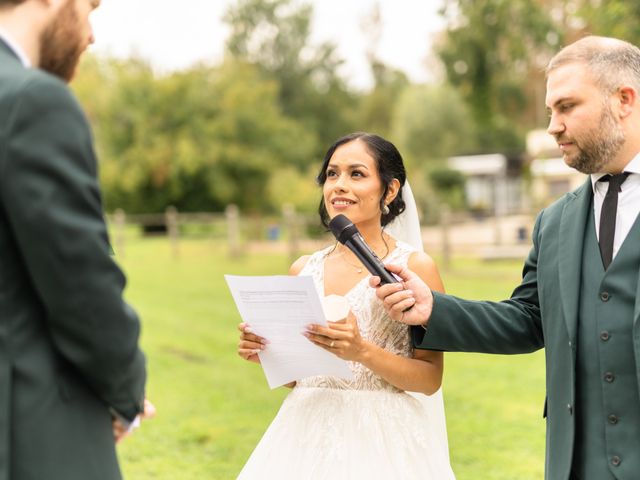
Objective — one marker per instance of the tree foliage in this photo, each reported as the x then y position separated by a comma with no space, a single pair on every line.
197,139
432,123
613,18
252,129
275,36
489,50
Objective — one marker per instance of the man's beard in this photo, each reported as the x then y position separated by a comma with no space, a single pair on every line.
61,44
599,146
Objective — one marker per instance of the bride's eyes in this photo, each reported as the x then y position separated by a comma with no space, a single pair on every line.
354,173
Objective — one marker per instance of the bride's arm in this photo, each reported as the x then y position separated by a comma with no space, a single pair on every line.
422,373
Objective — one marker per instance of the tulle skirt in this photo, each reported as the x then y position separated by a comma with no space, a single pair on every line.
324,433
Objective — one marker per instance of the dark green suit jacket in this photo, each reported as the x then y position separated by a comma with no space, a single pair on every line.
68,342
542,312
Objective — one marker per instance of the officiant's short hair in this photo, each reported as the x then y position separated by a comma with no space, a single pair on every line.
11,2
611,61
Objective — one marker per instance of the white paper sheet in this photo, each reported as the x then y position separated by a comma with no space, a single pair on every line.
278,308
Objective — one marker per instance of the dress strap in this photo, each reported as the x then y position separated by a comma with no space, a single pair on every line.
400,255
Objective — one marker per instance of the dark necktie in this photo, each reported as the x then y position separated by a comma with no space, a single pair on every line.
608,216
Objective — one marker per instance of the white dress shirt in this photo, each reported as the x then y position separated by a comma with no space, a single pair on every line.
17,49
628,202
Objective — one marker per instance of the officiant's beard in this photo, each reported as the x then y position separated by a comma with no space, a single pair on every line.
61,43
598,146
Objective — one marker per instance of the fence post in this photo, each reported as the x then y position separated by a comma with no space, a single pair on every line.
233,229
290,221
120,220
498,210
445,219
171,220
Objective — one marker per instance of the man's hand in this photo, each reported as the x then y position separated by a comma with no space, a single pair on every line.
120,432
149,410
408,302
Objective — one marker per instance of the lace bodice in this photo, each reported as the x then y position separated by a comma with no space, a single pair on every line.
375,324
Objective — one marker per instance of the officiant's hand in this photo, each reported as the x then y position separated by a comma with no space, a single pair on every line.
120,432
410,301
342,338
250,344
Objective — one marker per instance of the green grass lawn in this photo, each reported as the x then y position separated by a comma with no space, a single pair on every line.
213,407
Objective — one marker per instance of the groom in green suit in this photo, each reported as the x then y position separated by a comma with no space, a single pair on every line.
580,296
71,373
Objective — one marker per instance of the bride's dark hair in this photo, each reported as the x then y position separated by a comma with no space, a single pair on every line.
389,163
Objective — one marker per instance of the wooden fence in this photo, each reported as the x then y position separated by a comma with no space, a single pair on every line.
238,232
488,238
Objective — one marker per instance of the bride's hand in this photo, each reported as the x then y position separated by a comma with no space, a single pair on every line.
250,344
341,338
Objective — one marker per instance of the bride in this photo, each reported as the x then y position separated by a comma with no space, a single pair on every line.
370,427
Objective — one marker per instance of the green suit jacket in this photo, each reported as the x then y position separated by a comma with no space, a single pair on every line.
542,312
68,342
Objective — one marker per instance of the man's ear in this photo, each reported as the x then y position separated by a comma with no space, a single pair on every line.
627,96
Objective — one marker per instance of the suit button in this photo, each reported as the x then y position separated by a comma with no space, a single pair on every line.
616,460
604,296
570,408
604,336
612,419
609,377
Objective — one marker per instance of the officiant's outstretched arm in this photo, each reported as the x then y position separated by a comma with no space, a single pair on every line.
579,293
71,372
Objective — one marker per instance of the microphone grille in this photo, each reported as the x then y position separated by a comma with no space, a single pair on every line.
342,228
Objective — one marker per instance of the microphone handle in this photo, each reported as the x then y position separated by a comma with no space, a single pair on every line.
370,260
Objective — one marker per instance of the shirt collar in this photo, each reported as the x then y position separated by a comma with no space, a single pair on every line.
632,167
15,47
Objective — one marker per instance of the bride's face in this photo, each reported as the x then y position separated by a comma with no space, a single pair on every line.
353,186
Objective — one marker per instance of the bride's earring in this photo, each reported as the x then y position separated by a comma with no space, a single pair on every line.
385,209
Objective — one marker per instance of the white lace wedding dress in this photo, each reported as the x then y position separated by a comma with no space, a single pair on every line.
330,428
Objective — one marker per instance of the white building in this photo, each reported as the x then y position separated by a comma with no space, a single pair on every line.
493,184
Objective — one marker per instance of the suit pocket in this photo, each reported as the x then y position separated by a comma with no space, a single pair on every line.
67,381
64,386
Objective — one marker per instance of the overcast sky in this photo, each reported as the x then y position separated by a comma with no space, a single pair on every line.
175,34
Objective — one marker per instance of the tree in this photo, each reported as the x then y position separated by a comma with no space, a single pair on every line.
197,139
377,106
431,123
275,35
613,18
490,50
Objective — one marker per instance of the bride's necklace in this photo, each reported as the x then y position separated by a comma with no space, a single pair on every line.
360,268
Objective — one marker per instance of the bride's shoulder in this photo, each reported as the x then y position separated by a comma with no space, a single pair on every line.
300,263
414,258
420,261
425,267
297,266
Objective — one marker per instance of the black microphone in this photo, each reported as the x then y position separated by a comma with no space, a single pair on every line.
347,234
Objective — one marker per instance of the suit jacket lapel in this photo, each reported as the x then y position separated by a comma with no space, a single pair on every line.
4,48
572,225
636,311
